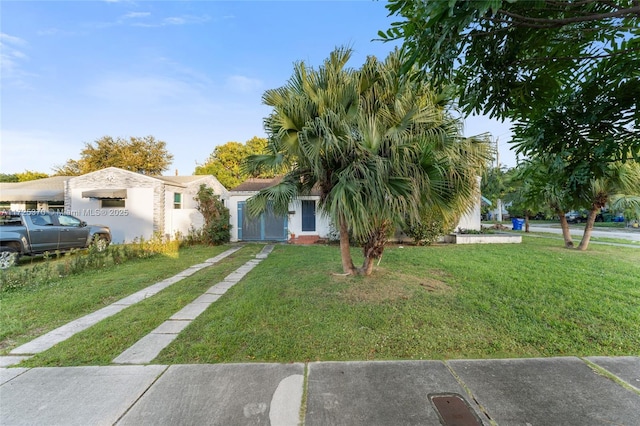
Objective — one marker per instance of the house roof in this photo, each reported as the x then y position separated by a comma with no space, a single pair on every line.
256,184
182,180
47,189
52,188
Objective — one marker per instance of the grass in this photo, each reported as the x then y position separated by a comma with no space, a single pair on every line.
106,340
34,310
442,302
533,299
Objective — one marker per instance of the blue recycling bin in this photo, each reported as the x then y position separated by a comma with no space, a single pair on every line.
517,224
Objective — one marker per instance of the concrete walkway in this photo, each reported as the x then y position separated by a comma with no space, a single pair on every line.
60,334
539,391
544,391
147,348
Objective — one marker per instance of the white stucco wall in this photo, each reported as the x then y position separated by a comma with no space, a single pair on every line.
472,218
232,205
295,220
188,217
133,221
141,216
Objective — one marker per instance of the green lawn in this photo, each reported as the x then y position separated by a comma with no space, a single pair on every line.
442,302
35,310
477,301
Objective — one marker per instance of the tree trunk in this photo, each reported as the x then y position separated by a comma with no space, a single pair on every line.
586,237
367,266
345,249
373,248
499,214
526,222
568,242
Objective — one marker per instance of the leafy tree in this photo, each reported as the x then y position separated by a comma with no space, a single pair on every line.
377,146
497,185
8,177
543,182
507,55
226,162
30,175
70,168
144,155
567,72
22,177
620,182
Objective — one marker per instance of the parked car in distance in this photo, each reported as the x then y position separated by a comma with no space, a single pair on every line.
31,233
575,216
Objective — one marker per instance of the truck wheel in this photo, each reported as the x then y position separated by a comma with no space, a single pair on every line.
100,242
8,257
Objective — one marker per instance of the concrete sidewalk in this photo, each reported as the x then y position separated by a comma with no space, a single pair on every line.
542,391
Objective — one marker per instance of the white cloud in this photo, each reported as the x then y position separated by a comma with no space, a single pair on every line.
135,15
11,40
12,58
240,83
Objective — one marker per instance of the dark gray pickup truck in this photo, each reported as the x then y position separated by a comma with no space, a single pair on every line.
32,233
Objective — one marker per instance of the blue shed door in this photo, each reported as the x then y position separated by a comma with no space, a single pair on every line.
266,227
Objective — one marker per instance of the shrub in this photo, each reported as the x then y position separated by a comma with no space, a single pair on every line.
429,228
216,229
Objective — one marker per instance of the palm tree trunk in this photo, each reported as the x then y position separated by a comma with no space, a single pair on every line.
345,249
374,247
586,237
367,266
568,242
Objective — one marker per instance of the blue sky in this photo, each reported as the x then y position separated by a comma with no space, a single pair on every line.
190,73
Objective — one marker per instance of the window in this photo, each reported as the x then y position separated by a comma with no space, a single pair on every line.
7,219
177,200
55,206
41,219
110,203
65,220
31,206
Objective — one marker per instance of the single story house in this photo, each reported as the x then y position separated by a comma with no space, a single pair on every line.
133,205
303,223
138,206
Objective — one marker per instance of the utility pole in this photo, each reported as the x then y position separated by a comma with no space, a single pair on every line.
499,201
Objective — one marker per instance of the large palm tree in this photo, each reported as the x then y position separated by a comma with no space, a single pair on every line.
376,144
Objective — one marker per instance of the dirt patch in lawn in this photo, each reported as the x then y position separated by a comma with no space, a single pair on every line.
384,285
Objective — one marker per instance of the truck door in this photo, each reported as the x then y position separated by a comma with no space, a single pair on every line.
43,233
72,233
